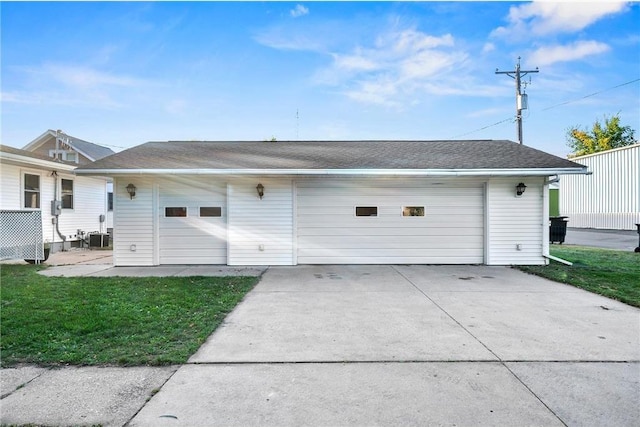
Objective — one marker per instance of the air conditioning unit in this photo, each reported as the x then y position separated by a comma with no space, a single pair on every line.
98,240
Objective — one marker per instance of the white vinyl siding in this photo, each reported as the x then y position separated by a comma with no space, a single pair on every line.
89,204
134,222
192,239
11,187
515,224
450,232
261,230
610,197
85,216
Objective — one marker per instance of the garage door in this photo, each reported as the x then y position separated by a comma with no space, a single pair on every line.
390,222
192,222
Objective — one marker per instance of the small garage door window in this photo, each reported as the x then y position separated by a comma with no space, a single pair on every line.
173,211
366,211
413,211
213,211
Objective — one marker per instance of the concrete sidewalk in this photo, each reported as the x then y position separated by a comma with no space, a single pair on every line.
373,345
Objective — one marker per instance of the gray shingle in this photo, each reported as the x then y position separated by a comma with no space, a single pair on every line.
332,155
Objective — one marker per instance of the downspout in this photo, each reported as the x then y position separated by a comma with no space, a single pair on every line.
545,208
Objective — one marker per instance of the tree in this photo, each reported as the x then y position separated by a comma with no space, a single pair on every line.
601,137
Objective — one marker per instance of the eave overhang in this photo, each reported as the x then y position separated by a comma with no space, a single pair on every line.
341,172
33,162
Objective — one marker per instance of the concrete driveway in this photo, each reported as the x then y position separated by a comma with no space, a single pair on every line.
410,346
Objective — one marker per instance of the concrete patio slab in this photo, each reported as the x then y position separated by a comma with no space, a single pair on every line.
83,396
350,394
75,270
13,378
151,271
586,394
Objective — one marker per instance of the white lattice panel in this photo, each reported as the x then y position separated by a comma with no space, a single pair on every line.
21,235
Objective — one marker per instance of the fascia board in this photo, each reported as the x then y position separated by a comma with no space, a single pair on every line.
341,172
29,161
39,140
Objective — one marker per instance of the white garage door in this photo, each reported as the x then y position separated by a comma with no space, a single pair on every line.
390,222
192,222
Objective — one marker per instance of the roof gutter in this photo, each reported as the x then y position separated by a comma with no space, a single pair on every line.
341,172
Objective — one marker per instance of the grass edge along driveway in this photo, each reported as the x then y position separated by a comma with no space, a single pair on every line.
610,273
124,321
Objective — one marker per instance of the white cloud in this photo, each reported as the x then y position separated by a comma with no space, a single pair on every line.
543,17
81,77
299,10
397,64
75,85
488,47
548,55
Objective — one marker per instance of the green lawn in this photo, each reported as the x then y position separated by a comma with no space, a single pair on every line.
113,321
614,274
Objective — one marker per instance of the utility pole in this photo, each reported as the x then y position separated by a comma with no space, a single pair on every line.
521,103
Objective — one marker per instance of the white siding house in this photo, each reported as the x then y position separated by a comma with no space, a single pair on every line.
358,202
30,181
58,145
609,198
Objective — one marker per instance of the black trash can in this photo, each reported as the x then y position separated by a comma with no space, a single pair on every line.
637,250
558,229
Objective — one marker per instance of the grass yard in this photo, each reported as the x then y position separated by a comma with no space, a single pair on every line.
109,320
614,274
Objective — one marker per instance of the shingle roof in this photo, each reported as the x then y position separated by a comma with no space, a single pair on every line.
91,150
330,155
29,154
88,149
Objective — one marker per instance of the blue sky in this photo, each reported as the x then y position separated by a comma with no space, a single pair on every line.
123,73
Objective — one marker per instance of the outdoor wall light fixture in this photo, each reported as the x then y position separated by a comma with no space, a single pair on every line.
260,189
520,189
131,189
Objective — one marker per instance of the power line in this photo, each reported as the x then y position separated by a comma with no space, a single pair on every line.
552,106
590,95
510,119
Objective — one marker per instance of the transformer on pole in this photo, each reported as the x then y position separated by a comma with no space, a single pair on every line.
521,99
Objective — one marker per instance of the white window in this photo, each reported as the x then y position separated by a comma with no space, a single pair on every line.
31,191
66,155
66,193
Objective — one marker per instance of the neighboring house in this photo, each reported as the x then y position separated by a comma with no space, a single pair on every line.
31,181
610,197
331,202
58,145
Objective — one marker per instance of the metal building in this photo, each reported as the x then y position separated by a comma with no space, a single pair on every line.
609,198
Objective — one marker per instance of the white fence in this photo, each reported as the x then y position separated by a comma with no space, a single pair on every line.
21,235
610,197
